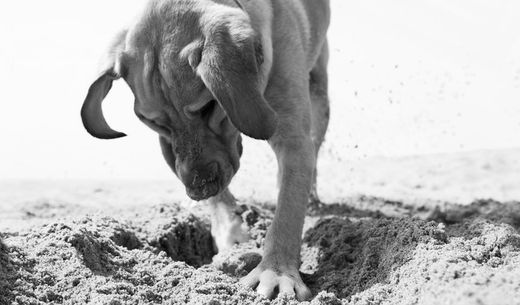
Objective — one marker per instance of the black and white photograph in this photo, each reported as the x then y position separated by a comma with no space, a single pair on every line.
263,152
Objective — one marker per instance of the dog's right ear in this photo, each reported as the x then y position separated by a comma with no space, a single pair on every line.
92,112
229,67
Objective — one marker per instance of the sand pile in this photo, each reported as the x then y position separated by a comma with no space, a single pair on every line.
163,255
105,261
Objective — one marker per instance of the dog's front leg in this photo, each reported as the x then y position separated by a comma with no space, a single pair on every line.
226,221
281,260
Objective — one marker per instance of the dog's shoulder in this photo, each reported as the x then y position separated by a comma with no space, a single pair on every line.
306,21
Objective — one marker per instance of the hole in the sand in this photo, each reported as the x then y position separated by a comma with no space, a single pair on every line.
357,255
126,239
188,240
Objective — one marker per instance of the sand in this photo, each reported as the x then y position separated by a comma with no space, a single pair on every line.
394,231
163,254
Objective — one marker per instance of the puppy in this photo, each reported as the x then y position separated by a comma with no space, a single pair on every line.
203,72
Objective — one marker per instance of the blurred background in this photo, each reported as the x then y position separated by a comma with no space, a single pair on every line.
425,103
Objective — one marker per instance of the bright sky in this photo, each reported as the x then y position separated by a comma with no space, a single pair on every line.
407,77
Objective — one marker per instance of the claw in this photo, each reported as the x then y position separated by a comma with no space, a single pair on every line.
266,281
302,292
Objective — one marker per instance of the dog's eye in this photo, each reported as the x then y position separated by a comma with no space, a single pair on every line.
200,110
155,125
208,109
161,128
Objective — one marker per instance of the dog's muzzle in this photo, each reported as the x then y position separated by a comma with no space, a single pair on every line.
202,182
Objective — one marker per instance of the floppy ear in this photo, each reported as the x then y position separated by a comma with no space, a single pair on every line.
92,112
229,68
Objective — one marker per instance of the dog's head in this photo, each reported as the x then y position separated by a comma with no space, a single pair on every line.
193,68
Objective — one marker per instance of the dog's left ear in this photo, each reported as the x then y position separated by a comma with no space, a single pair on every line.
91,111
229,67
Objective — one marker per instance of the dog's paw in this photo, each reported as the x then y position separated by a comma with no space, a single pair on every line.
285,280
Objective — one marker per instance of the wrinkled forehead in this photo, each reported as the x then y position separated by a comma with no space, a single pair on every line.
160,76
156,53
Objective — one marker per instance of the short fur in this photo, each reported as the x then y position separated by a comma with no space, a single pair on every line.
204,71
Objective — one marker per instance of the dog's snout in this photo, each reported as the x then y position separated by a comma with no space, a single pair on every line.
201,181
203,175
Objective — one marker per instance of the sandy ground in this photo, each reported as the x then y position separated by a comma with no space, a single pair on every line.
440,229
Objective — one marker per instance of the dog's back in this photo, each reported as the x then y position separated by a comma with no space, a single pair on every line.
310,17
318,14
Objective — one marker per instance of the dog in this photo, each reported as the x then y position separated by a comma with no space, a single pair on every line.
204,72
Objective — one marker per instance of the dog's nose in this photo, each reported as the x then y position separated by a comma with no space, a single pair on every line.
202,175
201,181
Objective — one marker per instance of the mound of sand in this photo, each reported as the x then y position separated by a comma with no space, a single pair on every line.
165,255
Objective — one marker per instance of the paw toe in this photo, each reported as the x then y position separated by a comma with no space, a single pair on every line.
252,279
302,292
266,282
286,286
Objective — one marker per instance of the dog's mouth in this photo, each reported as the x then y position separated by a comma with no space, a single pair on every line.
209,189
